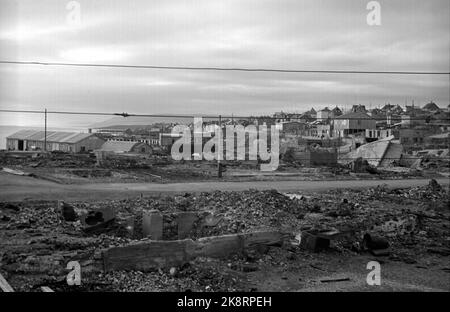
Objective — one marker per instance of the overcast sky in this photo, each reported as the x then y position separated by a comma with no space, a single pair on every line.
288,34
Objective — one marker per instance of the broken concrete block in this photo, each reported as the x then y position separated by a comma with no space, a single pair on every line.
373,242
157,254
185,222
225,245
93,217
152,224
264,238
94,221
147,255
67,211
311,241
219,246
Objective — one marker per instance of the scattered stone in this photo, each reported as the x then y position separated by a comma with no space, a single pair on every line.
173,271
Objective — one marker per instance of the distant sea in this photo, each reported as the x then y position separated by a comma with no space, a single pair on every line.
8,130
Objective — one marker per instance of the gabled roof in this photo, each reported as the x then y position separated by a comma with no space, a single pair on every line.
354,115
431,106
52,136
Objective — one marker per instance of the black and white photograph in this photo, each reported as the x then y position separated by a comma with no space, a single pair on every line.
224,151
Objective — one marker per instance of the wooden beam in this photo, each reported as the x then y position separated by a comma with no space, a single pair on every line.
46,289
4,285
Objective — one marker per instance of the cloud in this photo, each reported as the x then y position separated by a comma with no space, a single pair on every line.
290,34
93,55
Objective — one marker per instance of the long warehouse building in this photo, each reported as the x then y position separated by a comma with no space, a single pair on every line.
29,140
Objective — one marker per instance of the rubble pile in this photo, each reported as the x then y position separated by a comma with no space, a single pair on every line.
431,162
49,160
239,212
38,238
125,163
199,275
411,219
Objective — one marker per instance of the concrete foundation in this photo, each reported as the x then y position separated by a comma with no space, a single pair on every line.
152,224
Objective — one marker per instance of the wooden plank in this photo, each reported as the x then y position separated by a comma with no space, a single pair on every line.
4,285
46,289
333,280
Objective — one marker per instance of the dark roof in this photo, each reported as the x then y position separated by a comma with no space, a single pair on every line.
336,109
52,136
354,115
119,146
326,109
431,106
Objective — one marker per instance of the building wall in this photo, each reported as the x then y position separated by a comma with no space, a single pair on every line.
357,124
437,142
381,133
89,144
344,127
12,144
324,130
322,115
316,158
292,127
413,136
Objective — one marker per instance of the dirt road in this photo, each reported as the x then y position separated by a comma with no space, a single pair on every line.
16,188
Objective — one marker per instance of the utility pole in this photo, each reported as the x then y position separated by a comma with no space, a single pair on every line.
45,130
219,150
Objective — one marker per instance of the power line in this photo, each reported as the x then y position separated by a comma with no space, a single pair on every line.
186,116
190,116
225,68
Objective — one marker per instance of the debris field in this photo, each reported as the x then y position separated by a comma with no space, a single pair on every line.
226,241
